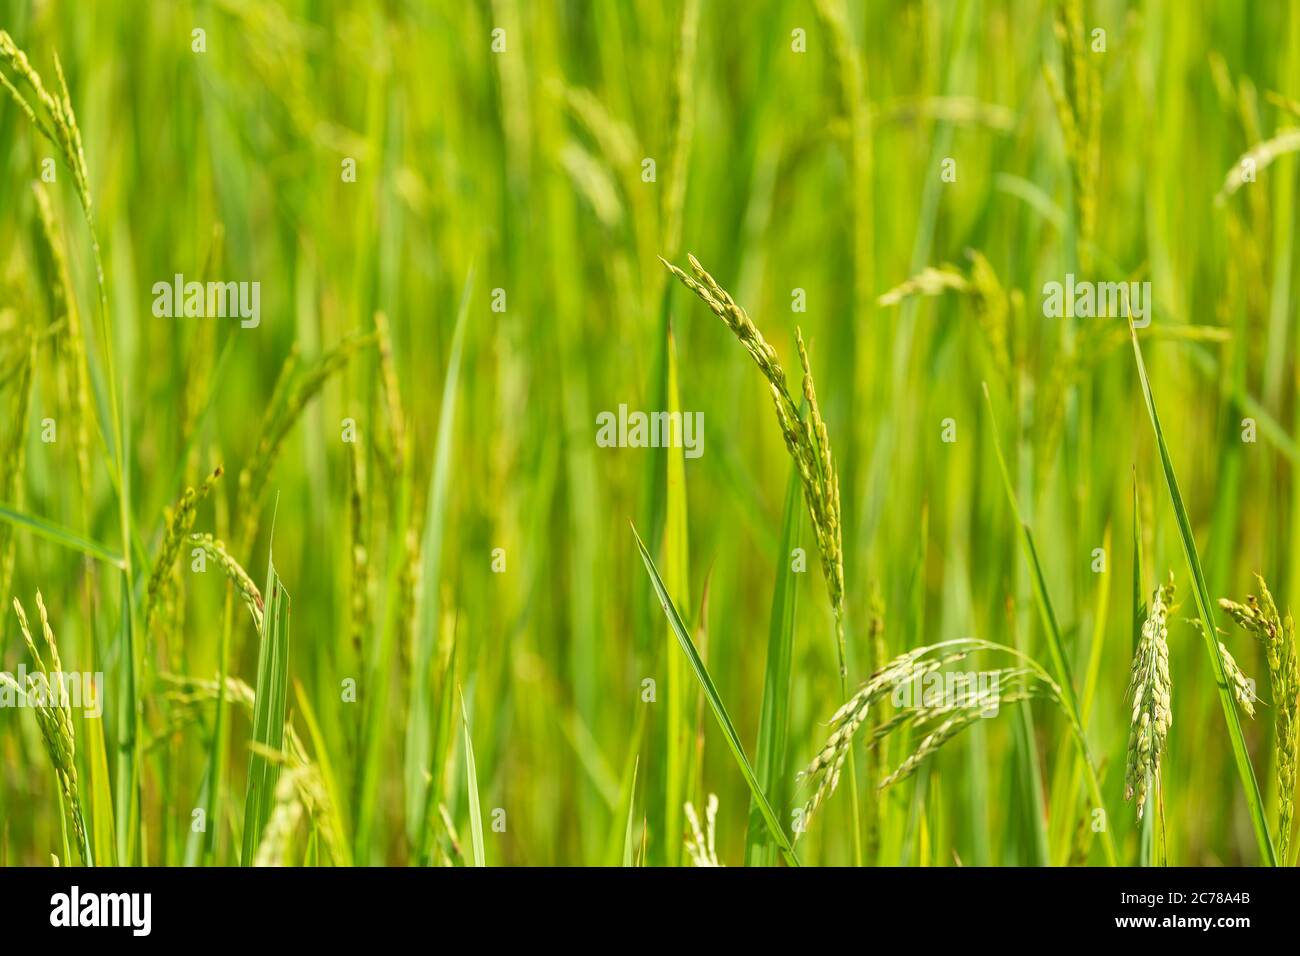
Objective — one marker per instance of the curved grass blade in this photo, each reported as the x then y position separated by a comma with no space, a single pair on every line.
1254,800
61,536
715,703
420,717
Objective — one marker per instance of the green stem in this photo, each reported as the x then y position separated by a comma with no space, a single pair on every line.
854,804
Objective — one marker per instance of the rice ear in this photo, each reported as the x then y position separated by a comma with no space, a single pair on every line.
1149,697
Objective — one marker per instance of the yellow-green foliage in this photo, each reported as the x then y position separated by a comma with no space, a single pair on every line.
453,212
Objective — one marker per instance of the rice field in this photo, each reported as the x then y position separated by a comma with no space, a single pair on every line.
687,433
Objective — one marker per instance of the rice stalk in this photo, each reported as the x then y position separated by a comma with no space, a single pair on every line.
700,841
945,724
1285,103
1260,157
57,122
1241,686
616,140
286,812
956,110
683,116
936,721
300,790
288,401
54,118
774,713
1240,753
593,180
1259,617
179,520
850,73
471,788
424,721
930,281
188,696
60,127
516,115
397,446
981,285
63,305
203,365
808,443
719,709
269,712
457,855
1149,691
360,563
48,699
824,770
215,549
1077,98
13,457
1240,683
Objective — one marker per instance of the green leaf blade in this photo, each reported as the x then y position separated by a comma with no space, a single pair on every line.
1241,756
716,704
271,696
774,714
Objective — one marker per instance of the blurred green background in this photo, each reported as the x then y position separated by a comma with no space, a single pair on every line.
795,146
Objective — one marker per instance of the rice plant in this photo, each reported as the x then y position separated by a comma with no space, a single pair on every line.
1259,617
46,693
1149,692
454,216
